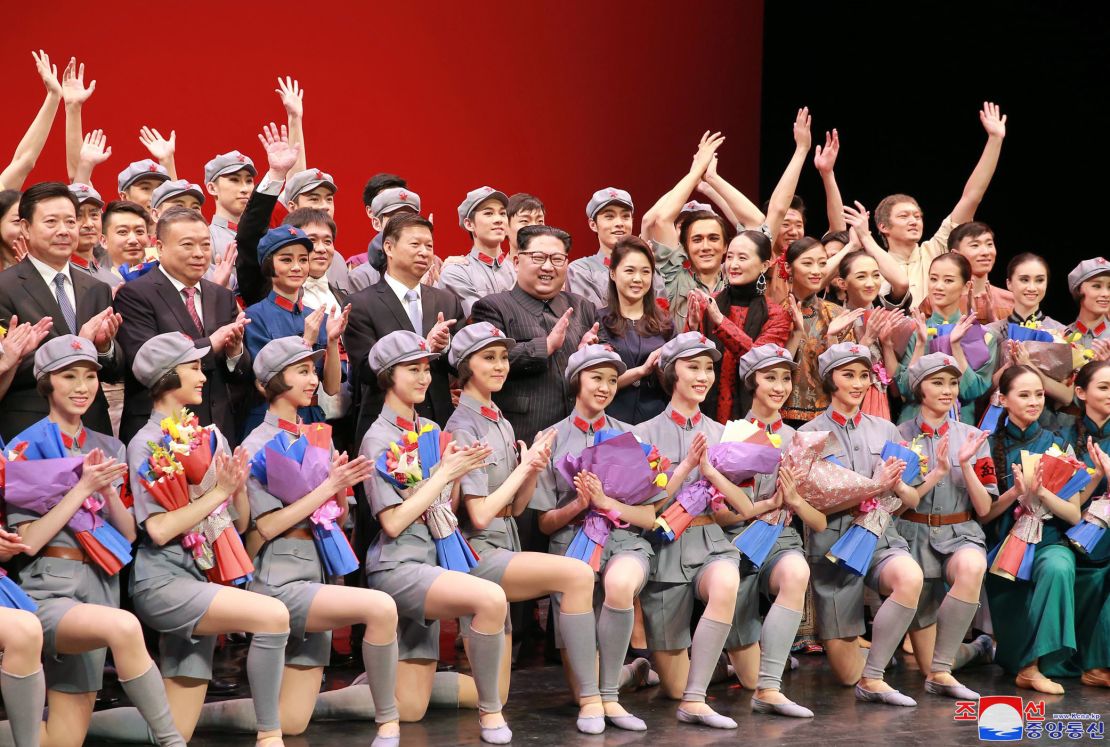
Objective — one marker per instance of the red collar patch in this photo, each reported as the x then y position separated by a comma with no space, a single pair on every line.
585,426
843,421
291,306
683,422
932,432
288,427
490,414
68,441
769,427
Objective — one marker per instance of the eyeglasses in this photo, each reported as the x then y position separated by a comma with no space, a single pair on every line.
541,258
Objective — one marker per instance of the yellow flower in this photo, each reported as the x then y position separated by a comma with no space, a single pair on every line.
661,481
775,439
410,437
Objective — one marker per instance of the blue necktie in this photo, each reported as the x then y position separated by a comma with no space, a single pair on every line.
63,303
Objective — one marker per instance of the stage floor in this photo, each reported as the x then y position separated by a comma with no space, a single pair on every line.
540,713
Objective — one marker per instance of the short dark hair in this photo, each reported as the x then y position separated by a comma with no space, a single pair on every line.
522,201
970,230
686,220
176,214
798,247
525,235
886,207
124,206
1013,264
377,183
385,379
399,223
275,387
849,259
841,236
40,192
44,387
168,383
796,203
302,217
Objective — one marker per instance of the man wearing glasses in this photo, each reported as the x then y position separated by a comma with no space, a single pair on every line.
548,324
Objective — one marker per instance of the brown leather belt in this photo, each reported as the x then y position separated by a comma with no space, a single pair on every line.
65,553
506,512
297,533
937,520
701,521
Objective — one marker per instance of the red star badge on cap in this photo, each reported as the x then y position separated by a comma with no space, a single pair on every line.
495,331
947,361
292,232
423,345
241,158
1101,260
76,344
403,195
153,167
854,349
702,339
319,174
612,193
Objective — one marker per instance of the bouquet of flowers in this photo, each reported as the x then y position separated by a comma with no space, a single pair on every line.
407,463
182,469
292,467
856,547
629,471
823,482
739,461
1063,475
910,452
1092,528
134,272
38,474
974,343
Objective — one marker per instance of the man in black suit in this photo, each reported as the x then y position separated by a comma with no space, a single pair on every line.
548,324
43,285
175,298
400,301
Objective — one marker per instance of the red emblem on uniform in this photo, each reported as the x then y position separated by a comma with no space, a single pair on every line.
153,167
854,349
1101,260
494,331
292,232
241,158
403,195
319,174
702,339
612,193
76,344
423,345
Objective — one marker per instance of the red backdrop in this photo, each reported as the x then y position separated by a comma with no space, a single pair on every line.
558,100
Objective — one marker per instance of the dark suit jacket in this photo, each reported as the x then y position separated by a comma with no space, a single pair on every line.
375,312
535,395
24,293
152,306
253,287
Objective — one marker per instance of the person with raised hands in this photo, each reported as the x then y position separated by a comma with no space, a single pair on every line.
76,302
175,297
689,245
949,281
170,591
783,575
17,342
893,289
838,593
284,256
402,560
900,220
76,591
785,219
27,152
942,530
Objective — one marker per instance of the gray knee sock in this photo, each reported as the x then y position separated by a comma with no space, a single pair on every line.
120,725
779,628
265,663
24,697
445,690
953,619
229,715
147,693
485,662
614,631
705,650
381,674
580,648
890,626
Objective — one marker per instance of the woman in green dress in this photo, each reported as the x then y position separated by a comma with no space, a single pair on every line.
1034,619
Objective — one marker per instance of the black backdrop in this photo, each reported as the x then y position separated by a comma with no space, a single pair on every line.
903,84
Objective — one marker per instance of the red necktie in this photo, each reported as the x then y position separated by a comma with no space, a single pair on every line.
191,307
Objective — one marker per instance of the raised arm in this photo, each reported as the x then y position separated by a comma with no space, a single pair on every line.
29,148
74,96
292,98
824,159
161,149
788,183
658,221
860,221
734,203
93,152
994,122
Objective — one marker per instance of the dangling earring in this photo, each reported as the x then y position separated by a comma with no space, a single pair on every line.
761,283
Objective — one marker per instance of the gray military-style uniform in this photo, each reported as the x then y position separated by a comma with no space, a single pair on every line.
287,569
838,593
170,593
481,276
573,434
755,581
404,566
58,585
933,546
668,597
